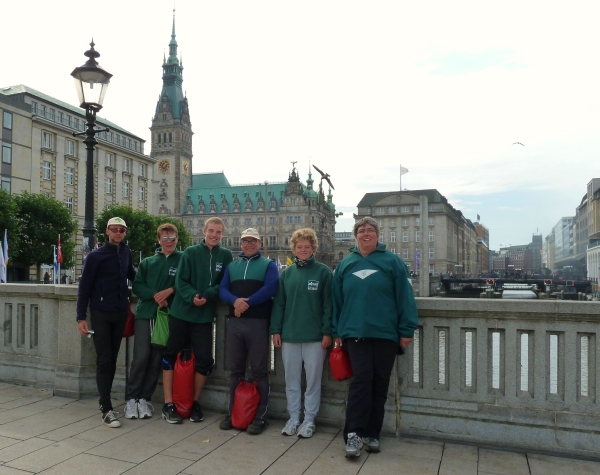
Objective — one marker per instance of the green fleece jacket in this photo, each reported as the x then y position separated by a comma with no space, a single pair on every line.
200,272
154,274
302,307
373,297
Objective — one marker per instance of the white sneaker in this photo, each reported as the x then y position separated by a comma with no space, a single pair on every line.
353,445
291,427
131,409
110,419
145,409
306,429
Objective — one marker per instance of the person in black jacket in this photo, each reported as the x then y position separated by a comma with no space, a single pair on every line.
103,287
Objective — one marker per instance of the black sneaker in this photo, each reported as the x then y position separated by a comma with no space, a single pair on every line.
170,414
225,423
257,426
196,415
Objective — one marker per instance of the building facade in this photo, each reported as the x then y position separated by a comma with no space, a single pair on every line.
448,238
41,155
275,209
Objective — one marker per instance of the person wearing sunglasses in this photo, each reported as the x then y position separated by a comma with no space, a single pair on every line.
191,316
103,288
154,285
248,286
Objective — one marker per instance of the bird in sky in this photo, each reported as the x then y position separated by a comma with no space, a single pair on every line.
324,176
518,143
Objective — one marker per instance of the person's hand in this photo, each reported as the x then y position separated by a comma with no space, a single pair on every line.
198,302
241,305
163,295
326,341
338,342
277,340
82,327
404,342
237,313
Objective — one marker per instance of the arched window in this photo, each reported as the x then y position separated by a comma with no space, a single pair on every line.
158,138
170,136
165,137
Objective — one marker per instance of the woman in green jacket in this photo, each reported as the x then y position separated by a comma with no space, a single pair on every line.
374,317
301,327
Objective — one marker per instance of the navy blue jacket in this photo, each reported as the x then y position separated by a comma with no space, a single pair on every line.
103,282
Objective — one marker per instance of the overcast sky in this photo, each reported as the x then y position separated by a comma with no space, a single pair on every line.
358,88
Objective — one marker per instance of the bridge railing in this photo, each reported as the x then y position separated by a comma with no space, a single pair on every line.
517,373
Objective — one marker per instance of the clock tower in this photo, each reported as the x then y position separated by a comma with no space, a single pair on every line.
171,143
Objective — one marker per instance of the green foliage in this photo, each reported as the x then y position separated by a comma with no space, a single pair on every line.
9,221
41,220
141,229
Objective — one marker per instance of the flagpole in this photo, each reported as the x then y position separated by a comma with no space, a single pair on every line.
54,264
58,276
400,177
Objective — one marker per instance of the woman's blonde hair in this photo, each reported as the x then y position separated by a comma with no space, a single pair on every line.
305,233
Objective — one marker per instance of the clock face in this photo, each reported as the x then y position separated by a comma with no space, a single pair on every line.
164,166
185,167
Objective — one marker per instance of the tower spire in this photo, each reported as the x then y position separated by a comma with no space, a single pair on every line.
173,45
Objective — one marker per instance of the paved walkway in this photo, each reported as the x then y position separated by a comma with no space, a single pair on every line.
40,433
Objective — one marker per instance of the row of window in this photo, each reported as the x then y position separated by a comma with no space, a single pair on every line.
430,236
403,209
108,184
416,253
74,122
259,220
111,162
7,120
404,222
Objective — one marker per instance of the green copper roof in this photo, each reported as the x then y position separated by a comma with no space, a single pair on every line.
209,180
226,191
172,78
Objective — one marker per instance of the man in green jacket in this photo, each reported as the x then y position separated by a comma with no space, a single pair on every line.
192,314
154,285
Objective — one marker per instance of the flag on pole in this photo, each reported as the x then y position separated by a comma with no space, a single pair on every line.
2,268
403,171
478,218
279,264
5,248
289,261
55,263
59,258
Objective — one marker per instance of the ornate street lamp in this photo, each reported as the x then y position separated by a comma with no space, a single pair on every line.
91,82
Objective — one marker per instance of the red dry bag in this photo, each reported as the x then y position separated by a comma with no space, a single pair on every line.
183,383
130,323
245,404
339,361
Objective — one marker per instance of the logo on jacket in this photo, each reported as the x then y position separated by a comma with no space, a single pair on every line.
363,274
218,266
172,271
313,285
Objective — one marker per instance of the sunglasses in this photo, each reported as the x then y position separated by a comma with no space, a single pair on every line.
247,242
168,238
118,230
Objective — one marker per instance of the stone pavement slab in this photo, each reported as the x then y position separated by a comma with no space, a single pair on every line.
47,435
50,455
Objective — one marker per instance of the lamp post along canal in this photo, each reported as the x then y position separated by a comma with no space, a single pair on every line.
91,82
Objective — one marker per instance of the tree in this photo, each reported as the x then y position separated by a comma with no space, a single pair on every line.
141,229
9,221
41,220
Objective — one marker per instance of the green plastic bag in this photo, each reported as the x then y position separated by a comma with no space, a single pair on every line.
160,334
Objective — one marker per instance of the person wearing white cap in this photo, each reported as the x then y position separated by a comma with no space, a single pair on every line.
248,286
103,287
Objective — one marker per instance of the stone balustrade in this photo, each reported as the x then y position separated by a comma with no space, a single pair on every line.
518,373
